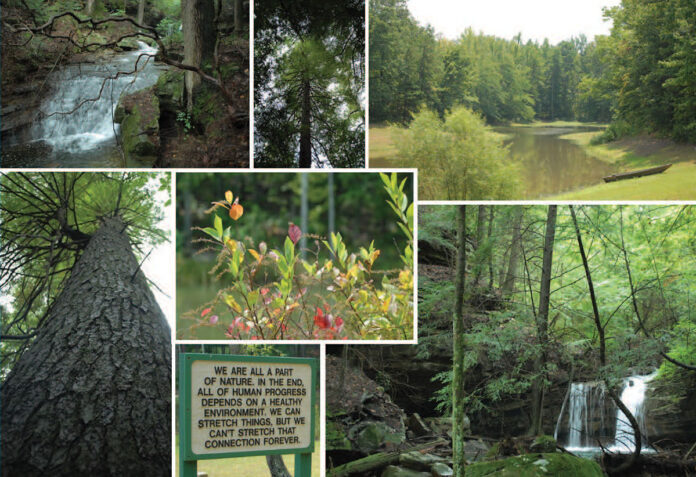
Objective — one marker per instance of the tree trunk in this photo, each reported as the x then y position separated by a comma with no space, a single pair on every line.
491,211
306,127
238,16
90,7
542,322
197,17
276,466
458,410
141,12
480,229
92,394
515,246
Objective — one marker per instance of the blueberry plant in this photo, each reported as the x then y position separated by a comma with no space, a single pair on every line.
344,296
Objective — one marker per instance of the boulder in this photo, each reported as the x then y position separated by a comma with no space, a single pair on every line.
670,408
441,470
418,426
543,444
138,114
475,450
537,465
419,461
394,471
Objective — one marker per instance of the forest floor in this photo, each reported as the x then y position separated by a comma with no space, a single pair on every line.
677,183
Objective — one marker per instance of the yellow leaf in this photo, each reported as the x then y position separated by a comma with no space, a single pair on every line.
229,299
255,254
229,196
236,210
385,305
231,244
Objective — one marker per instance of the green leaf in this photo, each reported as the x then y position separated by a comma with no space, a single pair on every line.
218,226
212,232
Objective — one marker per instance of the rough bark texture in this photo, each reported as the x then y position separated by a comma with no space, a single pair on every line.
90,7
458,411
197,17
238,16
306,127
276,466
92,395
542,321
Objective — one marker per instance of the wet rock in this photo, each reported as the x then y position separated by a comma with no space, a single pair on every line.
419,461
20,155
475,450
537,465
372,436
394,471
441,470
670,408
418,426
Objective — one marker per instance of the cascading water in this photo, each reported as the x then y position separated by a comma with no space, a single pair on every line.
76,121
588,420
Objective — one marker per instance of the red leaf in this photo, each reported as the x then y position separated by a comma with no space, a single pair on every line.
205,312
294,233
321,320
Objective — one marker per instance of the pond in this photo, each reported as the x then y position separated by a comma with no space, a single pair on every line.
552,165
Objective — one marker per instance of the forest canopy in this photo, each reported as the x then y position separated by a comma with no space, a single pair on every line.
309,84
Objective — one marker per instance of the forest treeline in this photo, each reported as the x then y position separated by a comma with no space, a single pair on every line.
640,77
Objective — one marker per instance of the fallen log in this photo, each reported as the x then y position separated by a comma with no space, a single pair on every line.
377,461
638,173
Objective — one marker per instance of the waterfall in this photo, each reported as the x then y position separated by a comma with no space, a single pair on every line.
633,397
76,120
586,416
588,422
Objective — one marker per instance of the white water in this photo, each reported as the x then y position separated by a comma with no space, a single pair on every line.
586,405
76,121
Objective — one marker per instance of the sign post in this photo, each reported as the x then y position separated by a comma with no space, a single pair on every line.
236,406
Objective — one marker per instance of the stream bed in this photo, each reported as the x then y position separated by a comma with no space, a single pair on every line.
552,165
75,125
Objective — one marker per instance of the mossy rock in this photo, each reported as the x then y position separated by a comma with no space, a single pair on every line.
128,44
537,465
170,88
138,114
376,435
543,444
336,439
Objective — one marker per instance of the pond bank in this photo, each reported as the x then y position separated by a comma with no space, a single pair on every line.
677,183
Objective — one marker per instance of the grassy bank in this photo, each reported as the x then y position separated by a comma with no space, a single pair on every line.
558,124
382,149
239,466
677,183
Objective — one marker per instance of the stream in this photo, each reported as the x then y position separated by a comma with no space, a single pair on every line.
552,165
75,127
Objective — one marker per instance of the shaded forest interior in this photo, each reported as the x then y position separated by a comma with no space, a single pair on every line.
309,78
154,83
530,332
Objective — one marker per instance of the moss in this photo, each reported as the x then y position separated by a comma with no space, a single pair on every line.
543,444
170,85
139,117
534,465
336,439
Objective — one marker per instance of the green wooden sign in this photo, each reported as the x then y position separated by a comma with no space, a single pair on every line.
235,406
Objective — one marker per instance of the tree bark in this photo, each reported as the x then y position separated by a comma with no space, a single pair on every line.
141,12
480,231
458,409
197,17
509,284
306,126
491,211
542,322
276,466
238,16
92,394
90,7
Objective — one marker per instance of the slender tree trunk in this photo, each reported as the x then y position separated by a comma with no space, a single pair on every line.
458,408
542,322
90,7
515,246
92,394
480,228
603,357
197,17
306,127
141,12
238,16
491,211
276,466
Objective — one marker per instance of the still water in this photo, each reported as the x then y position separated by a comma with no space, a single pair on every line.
551,165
